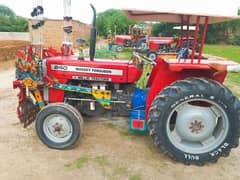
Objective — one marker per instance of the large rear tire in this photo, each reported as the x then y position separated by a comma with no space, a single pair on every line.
195,121
59,126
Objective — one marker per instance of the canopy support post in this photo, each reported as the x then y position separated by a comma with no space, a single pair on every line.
195,39
181,32
188,31
203,38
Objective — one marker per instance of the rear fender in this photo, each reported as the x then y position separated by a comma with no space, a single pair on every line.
163,74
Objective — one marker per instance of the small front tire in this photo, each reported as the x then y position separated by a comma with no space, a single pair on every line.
59,126
152,55
119,48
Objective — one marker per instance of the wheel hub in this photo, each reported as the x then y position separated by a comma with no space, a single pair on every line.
57,128
196,126
152,56
195,123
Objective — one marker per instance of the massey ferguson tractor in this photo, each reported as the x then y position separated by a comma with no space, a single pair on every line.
189,114
162,46
136,33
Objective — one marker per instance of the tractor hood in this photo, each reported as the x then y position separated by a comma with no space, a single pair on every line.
172,10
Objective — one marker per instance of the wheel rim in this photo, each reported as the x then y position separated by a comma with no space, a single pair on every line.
197,126
119,48
152,56
57,128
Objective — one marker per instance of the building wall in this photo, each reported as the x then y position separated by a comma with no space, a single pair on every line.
53,32
14,36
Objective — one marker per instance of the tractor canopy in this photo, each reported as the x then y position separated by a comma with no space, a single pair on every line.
172,11
189,13
174,17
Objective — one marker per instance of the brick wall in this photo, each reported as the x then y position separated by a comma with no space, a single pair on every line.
53,32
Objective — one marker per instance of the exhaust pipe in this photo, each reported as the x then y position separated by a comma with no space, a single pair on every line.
93,35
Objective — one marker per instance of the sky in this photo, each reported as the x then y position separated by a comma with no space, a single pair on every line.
81,10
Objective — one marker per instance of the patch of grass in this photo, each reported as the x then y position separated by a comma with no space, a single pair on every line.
102,161
125,132
120,171
78,163
126,54
109,170
129,133
105,53
227,51
110,125
135,177
234,77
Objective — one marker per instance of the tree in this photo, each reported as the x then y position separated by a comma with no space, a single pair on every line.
226,32
6,11
10,22
164,29
112,20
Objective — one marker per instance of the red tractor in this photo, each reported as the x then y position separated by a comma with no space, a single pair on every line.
190,115
135,33
153,46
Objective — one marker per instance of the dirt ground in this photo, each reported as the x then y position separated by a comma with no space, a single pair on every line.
107,150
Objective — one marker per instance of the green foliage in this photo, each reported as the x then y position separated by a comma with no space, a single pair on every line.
135,177
229,52
5,11
226,32
226,51
223,32
114,20
10,22
234,40
164,29
103,52
78,163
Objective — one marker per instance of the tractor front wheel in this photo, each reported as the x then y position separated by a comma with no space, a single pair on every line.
152,55
119,48
59,126
195,121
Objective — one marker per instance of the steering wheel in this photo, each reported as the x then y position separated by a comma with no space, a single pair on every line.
143,59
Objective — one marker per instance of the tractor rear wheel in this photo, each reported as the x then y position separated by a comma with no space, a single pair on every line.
195,121
59,125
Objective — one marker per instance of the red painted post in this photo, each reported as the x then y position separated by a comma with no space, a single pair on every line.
181,32
188,32
203,38
195,38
